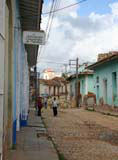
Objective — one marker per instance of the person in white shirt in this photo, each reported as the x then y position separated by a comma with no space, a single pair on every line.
54,106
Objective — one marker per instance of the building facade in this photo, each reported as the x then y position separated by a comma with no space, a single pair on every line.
106,80
14,70
48,73
55,87
85,87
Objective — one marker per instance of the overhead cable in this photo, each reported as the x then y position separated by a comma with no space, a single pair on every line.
65,7
54,6
51,9
52,62
48,24
53,14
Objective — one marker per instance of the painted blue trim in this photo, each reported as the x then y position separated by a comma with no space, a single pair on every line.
14,95
23,122
14,132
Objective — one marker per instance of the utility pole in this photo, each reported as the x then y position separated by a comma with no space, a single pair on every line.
76,83
66,65
77,102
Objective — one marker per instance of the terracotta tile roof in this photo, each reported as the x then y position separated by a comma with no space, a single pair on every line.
50,82
56,81
59,79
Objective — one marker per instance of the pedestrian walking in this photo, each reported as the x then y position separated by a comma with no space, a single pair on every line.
39,105
54,106
45,103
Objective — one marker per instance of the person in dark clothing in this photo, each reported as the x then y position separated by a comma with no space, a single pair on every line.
39,105
54,106
45,103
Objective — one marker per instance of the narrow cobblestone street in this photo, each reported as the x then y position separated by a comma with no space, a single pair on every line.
82,135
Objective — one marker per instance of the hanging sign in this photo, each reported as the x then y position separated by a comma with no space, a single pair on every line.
34,37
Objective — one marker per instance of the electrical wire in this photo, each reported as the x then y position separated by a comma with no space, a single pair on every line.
54,6
47,26
65,7
52,62
53,15
51,9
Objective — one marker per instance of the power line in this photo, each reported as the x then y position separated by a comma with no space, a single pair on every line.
47,27
55,7
50,21
65,7
52,62
51,9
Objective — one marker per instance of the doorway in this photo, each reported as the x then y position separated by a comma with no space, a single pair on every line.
105,90
97,94
114,87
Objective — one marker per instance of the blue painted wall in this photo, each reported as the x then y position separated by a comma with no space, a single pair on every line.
16,26
86,85
104,75
19,67
91,83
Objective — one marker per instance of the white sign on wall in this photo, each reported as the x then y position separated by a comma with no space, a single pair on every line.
34,37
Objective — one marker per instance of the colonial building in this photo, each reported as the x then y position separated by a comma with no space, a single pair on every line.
15,61
106,80
55,87
48,73
85,85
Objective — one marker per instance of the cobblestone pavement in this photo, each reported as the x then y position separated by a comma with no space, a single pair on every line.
83,135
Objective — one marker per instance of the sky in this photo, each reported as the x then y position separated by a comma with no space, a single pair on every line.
82,31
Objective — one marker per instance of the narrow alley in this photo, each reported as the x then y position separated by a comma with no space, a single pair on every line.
58,80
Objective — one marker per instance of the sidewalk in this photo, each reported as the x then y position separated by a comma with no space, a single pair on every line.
104,110
33,142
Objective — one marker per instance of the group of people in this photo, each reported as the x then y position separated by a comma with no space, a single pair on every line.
40,105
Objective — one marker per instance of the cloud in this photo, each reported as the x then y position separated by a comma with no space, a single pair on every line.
84,37
114,8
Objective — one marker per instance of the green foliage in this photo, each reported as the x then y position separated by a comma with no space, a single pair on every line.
64,75
61,156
